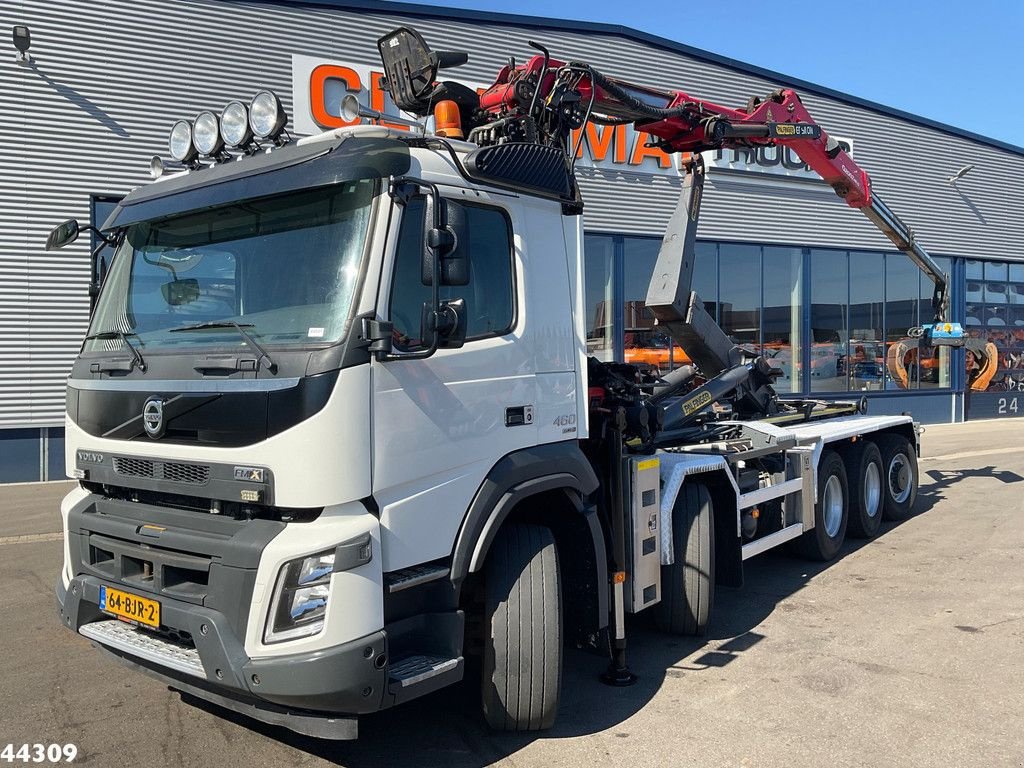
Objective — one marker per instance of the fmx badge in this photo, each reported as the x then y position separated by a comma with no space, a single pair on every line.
252,474
153,417
694,404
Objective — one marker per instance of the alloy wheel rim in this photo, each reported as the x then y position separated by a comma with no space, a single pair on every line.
899,478
872,489
832,506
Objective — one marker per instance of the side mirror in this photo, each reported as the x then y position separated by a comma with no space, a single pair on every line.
63,234
446,239
448,322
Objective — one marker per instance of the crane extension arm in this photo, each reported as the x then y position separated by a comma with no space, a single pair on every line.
544,100
679,122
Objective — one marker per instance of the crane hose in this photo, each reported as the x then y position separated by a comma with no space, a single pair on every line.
631,102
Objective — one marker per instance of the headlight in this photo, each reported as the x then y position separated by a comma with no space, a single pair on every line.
300,598
234,125
180,142
266,115
206,134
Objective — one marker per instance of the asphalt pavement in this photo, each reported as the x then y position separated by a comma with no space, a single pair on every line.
908,651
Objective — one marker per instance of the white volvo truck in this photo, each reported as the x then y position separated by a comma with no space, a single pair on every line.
336,431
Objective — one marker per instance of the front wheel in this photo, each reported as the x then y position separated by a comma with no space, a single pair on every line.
522,672
899,481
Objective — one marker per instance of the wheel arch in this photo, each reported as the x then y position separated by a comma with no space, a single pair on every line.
547,485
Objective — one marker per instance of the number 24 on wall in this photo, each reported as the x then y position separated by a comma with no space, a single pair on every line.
1007,405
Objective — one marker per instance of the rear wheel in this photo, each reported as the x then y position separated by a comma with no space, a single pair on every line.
899,478
522,660
864,473
830,513
688,585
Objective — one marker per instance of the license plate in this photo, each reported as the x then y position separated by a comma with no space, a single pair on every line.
131,607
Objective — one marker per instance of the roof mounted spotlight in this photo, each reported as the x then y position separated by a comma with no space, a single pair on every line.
206,135
267,117
181,145
156,166
235,128
22,40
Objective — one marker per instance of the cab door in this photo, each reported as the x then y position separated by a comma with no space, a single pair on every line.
441,423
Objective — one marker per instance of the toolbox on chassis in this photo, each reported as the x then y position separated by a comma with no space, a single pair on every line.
336,432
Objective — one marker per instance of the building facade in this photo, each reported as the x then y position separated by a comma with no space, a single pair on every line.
786,266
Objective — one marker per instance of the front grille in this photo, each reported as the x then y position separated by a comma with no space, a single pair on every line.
193,474
196,474
133,467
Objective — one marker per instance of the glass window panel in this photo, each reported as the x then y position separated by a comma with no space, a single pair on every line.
829,296
782,312
974,270
864,365
934,370
1002,324
644,344
599,251
902,293
489,294
996,270
705,276
740,293
995,293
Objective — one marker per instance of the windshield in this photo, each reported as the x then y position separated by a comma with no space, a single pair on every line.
285,267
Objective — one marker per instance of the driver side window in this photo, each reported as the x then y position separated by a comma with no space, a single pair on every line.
490,295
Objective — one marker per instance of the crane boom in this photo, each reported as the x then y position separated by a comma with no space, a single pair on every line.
686,123
544,100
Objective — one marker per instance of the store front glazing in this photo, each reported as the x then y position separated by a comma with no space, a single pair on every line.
824,318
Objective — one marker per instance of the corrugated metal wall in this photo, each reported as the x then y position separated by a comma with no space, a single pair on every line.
110,77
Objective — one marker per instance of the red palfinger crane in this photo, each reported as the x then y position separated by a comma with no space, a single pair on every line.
543,100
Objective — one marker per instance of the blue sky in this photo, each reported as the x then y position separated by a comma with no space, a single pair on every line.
953,61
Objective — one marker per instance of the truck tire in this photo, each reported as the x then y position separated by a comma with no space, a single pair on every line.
865,476
899,477
688,585
522,659
831,513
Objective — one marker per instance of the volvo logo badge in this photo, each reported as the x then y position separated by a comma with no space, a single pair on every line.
153,417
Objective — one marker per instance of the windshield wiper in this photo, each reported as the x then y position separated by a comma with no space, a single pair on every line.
123,336
265,359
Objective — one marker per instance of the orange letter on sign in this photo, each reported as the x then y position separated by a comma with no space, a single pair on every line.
601,139
318,94
640,152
